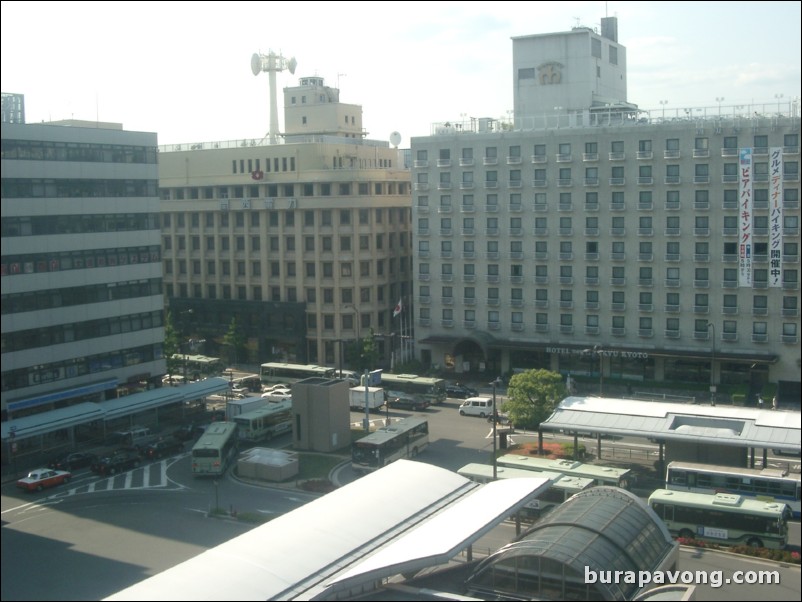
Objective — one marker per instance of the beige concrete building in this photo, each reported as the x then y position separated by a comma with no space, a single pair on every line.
306,242
321,416
594,238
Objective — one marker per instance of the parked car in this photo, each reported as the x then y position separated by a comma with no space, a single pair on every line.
187,432
73,461
41,478
270,388
119,461
459,391
163,448
406,402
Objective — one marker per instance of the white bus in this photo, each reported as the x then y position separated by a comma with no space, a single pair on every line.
405,438
562,487
215,449
266,422
601,475
277,372
424,388
768,484
722,518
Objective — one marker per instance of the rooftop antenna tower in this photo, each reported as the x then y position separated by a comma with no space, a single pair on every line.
272,63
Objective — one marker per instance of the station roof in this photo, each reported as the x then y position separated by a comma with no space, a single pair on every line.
722,424
84,413
404,517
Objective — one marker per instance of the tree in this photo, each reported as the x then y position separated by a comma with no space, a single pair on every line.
532,397
234,340
172,345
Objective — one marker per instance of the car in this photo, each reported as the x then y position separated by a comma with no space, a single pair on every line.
405,402
42,478
459,391
73,461
271,388
161,449
119,461
476,406
187,432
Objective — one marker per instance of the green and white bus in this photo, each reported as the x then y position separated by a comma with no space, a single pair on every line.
278,372
601,475
266,422
405,438
425,388
723,518
562,487
214,450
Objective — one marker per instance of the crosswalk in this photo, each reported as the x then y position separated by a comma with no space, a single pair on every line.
148,476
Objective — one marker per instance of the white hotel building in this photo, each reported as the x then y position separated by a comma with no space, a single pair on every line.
587,235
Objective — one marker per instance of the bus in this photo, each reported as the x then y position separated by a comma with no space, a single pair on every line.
197,367
216,447
424,388
767,485
277,372
722,518
562,487
266,422
601,475
405,438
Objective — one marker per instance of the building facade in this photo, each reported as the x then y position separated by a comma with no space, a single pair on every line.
608,242
82,316
305,242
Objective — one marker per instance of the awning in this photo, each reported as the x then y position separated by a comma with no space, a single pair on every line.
47,422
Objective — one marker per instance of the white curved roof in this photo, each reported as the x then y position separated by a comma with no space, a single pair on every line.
406,516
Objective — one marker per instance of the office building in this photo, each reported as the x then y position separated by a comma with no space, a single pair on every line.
306,241
587,236
81,265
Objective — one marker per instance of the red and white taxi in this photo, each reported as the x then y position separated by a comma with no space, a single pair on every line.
41,478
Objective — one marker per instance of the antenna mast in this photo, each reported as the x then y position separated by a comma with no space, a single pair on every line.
272,63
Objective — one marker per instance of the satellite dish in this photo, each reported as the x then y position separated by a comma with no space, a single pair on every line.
256,63
395,139
292,65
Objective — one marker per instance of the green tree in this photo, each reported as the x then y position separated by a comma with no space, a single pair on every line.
532,397
171,346
234,341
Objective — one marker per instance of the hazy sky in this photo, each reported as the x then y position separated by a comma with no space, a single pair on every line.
183,69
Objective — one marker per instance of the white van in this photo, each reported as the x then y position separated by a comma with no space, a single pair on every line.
476,406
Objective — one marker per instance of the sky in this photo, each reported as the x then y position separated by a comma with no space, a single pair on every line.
183,70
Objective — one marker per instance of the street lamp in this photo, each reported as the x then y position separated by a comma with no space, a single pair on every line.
778,97
663,103
719,100
712,327
496,381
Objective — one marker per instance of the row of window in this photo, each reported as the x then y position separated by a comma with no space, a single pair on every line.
618,275
72,368
645,249
326,243
646,225
564,149
78,224
80,295
58,334
86,152
541,201
287,219
34,188
618,300
288,190
730,173
310,269
78,260
594,321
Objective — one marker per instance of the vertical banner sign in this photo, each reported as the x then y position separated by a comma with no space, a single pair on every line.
775,216
745,217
